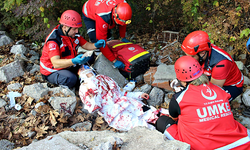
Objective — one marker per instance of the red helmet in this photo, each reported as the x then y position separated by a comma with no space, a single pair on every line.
71,18
196,42
187,68
122,13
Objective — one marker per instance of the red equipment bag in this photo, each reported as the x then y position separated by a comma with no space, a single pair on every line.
134,57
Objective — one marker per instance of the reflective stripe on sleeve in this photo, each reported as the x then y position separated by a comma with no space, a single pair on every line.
46,68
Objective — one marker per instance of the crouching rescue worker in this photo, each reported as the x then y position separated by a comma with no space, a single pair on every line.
59,62
218,65
203,114
101,16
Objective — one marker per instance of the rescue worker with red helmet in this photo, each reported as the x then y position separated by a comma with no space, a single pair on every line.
200,114
100,16
59,62
218,65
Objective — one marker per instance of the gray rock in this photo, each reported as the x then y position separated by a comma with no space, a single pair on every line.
20,56
2,103
35,91
245,121
166,98
242,56
134,139
165,72
246,97
10,71
4,39
39,104
64,104
65,90
20,42
51,143
35,68
33,112
103,146
34,58
105,67
6,145
31,134
146,88
139,78
246,80
18,49
84,126
155,97
240,65
14,86
33,53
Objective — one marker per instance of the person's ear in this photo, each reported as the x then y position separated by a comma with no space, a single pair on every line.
203,53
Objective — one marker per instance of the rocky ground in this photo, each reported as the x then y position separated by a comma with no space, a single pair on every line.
21,127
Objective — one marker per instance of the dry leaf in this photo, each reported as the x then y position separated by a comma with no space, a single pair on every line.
30,100
63,119
59,128
80,118
31,117
10,135
56,113
99,121
23,131
78,109
52,119
41,130
27,108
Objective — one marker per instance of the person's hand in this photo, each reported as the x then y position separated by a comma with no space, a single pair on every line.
176,85
100,43
248,45
79,60
119,64
125,40
145,96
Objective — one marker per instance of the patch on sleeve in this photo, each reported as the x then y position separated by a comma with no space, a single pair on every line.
105,26
52,46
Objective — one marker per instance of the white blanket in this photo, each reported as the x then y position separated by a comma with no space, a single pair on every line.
102,94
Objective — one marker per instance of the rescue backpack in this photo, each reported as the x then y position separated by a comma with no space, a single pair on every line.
135,58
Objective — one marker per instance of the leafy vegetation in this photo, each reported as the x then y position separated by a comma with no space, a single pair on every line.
225,21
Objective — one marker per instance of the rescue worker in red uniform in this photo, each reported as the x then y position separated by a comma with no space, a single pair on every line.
218,65
100,16
59,62
200,114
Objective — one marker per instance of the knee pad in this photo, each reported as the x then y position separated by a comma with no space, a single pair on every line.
163,122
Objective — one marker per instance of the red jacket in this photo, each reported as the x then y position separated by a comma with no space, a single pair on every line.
206,121
101,12
57,43
220,65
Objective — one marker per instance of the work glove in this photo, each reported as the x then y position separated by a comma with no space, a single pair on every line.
248,45
80,60
125,40
100,43
119,64
176,85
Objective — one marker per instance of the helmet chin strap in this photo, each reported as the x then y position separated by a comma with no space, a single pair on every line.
201,57
66,32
